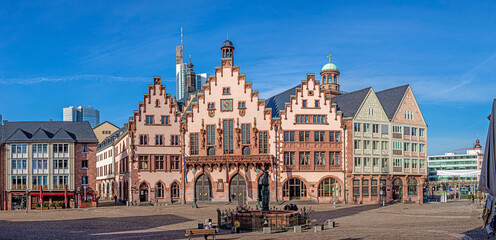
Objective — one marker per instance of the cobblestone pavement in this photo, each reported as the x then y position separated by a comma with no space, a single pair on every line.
454,220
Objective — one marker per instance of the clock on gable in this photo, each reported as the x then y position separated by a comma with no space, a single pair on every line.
226,105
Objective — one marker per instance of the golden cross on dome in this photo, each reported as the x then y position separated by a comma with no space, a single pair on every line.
330,55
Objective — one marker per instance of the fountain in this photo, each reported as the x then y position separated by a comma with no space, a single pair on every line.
256,219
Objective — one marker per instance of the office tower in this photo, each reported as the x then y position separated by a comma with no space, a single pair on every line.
180,70
201,79
79,114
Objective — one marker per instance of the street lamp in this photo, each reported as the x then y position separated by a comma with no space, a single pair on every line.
344,163
275,165
418,193
79,197
258,190
27,199
381,193
156,189
194,190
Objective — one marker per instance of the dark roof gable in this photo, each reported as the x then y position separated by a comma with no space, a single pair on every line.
391,99
48,131
350,103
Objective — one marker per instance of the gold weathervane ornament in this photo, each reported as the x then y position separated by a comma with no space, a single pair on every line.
330,55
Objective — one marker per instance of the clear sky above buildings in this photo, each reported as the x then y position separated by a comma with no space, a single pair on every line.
55,54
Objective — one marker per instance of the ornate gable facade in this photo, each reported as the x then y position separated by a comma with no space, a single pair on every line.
155,145
310,145
226,125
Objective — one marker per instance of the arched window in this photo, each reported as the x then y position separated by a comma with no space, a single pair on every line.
412,186
175,191
329,187
160,190
294,188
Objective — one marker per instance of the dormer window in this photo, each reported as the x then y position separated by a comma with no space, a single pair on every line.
226,91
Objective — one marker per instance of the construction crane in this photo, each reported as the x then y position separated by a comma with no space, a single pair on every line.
460,149
476,145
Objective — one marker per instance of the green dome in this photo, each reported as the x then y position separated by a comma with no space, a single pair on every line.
330,66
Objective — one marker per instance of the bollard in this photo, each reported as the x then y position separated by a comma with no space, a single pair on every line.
297,229
266,230
317,228
331,223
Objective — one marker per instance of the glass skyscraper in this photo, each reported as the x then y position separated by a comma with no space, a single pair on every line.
79,114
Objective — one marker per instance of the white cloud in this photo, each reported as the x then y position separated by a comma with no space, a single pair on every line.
28,81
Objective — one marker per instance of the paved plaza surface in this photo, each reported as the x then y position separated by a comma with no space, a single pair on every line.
455,220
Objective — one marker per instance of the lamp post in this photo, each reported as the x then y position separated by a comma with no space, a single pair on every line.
418,193
381,193
194,190
27,200
156,190
184,167
78,198
133,190
275,165
344,163
258,190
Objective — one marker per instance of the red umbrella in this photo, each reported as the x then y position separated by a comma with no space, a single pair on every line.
65,194
41,197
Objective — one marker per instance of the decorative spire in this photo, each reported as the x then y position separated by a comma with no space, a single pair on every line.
330,55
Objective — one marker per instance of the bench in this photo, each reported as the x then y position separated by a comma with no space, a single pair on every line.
204,232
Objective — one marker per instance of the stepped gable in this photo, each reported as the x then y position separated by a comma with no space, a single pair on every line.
391,99
350,103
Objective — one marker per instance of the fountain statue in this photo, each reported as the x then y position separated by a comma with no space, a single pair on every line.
265,191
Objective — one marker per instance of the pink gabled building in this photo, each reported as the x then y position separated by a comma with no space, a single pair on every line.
228,135
154,149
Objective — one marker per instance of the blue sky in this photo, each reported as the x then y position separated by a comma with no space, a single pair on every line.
55,54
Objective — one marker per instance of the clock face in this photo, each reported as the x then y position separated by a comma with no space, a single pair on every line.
226,104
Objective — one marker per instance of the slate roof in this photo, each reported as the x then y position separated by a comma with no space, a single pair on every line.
108,141
1,132
49,131
278,102
350,103
391,99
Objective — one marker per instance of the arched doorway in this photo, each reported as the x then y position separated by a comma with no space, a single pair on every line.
397,189
412,186
237,190
294,188
174,192
329,187
203,189
143,192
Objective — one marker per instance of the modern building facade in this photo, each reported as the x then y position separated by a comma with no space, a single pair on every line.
452,167
79,114
201,79
51,156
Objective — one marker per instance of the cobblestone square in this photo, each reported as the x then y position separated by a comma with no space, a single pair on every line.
456,220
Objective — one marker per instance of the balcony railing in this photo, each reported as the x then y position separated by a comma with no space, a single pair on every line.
20,171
